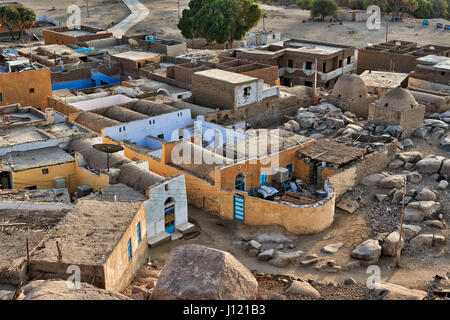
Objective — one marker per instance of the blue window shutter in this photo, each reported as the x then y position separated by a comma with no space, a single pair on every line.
139,232
130,253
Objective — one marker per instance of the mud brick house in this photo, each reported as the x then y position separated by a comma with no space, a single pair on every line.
296,61
228,90
227,184
180,75
102,236
66,35
397,107
350,94
23,82
379,82
168,47
132,61
396,56
166,208
429,83
345,165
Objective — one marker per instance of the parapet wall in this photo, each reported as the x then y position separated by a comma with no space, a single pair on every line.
298,219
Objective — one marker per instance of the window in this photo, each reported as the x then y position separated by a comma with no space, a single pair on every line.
308,83
44,171
443,73
1,97
166,187
290,167
31,90
31,188
340,63
308,65
139,232
239,182
180,96
349,60
130,253
290,63
262,178
247,91
324,67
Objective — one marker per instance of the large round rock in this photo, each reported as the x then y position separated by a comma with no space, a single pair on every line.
194,272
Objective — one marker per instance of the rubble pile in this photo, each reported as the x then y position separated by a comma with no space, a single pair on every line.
322,120
276,250
436,126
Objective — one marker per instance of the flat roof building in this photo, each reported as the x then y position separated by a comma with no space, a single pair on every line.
23,82
396,55
66,35
104,237
296,61
379,82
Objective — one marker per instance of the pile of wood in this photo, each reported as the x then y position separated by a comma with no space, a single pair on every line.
297,198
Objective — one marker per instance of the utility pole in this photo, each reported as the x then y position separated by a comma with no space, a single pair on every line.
399,245
387,28
315,80
87,7
179,16
264,21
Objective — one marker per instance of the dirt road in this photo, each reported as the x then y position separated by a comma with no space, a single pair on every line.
163,18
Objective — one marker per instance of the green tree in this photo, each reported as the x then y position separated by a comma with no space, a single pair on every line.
398,7
323,8
305,4
439,8
27,18
219,20
9,17
424,10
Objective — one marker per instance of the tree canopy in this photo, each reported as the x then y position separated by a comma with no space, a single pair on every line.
219,20
17,18
323,8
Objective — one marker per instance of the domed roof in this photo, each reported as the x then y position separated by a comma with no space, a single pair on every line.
350,86
398,97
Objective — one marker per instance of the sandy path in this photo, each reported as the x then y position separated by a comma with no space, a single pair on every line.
138,13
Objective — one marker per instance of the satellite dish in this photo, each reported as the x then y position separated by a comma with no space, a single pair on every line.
107,148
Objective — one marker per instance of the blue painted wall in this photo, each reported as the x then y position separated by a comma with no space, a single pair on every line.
97,79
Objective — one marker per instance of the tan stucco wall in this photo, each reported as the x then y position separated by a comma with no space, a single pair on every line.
15,88
296,219
119,271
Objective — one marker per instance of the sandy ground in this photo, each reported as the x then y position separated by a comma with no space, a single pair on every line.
163,18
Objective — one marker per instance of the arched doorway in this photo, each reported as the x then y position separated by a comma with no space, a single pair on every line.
239,182
169,215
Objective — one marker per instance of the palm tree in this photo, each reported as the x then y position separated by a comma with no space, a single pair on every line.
27,18
9,17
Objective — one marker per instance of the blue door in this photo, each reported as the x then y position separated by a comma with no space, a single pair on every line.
290,167
169,218
262,178
239,208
